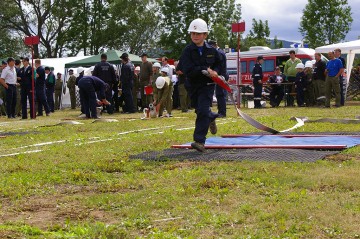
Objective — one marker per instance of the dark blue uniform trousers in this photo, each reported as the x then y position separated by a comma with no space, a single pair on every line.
128,99
88,98
26,94
42,101
300,95
201,100
10,100
257,95
221,95
50,98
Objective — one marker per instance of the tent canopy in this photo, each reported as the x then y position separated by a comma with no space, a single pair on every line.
113,57
345,47
350,48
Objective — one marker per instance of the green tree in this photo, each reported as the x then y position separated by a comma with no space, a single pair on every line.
134,25
277,44
258,35
177,16
325,21
44,18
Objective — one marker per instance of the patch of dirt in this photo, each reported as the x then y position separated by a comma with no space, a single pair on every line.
9,234
342,157
44,212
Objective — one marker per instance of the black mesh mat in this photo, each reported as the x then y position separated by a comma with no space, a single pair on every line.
280,155
258,154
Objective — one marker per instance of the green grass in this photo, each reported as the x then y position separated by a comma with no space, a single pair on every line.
80,182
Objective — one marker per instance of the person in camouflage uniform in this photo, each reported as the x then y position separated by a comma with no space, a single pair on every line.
72,90
58,91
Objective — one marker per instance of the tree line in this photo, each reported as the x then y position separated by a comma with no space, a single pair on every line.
67,27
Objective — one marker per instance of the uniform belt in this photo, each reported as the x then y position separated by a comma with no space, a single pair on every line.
11,84
257,75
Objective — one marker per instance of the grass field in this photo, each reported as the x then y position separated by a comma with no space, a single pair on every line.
76,181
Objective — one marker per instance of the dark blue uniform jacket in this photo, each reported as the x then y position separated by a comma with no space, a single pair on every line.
194,59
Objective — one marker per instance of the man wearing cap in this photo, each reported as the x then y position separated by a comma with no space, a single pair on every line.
18,88
50,88
290,72
221,93
9,80
58,90
145,80
26,89
71,83
197,57
257,76
127,80
40,89
106,72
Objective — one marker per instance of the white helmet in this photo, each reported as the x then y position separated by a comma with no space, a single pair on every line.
165,70
308,64
198,25
160,82
300,66
313,62
172,67
80,69
157,64
137,68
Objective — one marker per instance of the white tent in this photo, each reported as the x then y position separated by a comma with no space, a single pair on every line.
350,48
59,66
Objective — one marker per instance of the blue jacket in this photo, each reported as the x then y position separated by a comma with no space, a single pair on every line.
40,81
98,84
257,74
106,72
127,75
25,74
194,59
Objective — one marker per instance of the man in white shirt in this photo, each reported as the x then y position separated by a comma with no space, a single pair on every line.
8,81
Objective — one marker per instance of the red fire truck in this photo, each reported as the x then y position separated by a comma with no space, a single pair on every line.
272,58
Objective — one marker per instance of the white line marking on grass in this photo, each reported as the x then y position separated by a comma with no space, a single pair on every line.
40,144
26,152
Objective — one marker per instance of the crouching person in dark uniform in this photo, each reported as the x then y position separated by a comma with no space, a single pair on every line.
88,86
197,57
257,76
277,91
